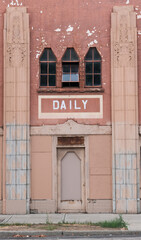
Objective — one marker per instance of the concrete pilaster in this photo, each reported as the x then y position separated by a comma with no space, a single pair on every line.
16,164
124,110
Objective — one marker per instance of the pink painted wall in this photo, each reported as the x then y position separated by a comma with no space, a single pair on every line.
41,167
100,167
83,16
91,23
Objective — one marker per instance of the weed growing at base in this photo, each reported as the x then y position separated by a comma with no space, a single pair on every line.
115,223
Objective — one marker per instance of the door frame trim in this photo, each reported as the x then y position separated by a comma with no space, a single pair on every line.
55,167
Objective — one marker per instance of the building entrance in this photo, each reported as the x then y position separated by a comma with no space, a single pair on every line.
71,180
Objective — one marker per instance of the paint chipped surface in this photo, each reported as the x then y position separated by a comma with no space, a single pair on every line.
90,33
43,40
92,43
38,53
15,3
57,30
69,29
138,16
63,38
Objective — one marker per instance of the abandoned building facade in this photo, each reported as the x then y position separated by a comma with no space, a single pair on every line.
70,98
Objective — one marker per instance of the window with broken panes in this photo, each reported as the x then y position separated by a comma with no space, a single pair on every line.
70,68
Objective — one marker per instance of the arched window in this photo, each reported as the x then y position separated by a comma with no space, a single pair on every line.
47,68
93,68
70,68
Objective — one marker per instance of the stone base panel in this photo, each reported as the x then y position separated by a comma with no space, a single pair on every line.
1,205
16,207
49,206
42,206
99,206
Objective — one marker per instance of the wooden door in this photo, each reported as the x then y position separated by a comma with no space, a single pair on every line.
71,180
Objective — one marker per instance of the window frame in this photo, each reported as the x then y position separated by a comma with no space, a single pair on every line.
70,63
93,73
47,74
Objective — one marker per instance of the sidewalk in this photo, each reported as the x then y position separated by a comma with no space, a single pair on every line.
133,220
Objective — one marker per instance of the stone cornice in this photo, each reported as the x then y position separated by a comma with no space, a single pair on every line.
70,128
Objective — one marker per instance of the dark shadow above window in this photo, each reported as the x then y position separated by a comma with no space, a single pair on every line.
47,68
93,68
70,68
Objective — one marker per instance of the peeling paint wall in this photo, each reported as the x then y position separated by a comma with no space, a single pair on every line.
58,25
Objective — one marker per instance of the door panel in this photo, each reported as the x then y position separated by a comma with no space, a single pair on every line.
71,183
70,177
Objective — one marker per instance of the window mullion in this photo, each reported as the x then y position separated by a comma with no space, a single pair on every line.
93,72
70,72
93,54
70,54
47,73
